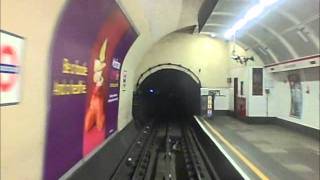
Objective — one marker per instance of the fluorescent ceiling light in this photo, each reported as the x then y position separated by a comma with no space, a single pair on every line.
267,2
239,24
254,12
251,14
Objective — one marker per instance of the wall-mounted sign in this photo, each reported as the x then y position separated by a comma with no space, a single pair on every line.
10,63
209,107
204,91
257,81
124,79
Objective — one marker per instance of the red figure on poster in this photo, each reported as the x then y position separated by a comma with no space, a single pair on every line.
95,115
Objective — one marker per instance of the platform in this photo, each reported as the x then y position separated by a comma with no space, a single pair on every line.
264,151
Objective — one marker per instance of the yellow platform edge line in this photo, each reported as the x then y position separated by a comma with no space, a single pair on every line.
254,168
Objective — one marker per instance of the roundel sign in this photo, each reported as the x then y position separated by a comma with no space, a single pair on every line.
10,59
8,63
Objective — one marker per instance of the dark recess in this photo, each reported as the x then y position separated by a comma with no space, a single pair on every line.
167,93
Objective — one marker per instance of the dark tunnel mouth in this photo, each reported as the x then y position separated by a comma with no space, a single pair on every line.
166,95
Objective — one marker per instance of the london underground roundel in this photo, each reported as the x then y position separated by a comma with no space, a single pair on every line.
9,68
10,60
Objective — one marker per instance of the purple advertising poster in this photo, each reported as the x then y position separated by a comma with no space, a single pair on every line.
91,41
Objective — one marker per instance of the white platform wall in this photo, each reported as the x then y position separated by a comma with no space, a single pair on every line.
280,97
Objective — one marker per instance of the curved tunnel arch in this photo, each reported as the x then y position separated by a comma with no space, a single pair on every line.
166,94
173,66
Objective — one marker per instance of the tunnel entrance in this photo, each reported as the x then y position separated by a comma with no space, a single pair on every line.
167,94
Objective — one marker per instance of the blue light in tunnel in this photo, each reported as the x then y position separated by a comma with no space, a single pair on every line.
151,90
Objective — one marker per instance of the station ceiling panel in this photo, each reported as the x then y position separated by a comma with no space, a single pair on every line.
286,30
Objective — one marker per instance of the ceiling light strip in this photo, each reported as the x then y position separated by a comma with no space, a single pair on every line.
251,14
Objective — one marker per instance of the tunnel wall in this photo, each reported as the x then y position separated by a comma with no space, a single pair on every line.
195,52
178,48
18,154
154,20
23,125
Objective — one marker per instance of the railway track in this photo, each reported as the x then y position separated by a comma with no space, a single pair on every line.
166,151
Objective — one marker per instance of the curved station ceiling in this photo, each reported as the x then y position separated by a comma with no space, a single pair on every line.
288,29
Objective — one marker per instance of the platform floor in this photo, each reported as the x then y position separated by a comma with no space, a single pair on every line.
267,151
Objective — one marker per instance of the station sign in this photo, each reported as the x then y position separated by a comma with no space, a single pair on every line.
11,49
